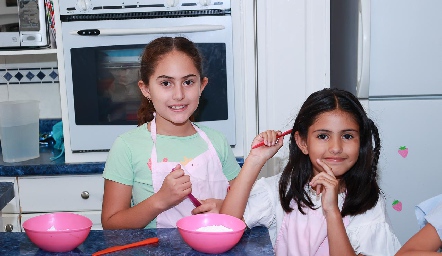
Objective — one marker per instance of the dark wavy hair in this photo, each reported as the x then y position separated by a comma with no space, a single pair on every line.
360,181
153,53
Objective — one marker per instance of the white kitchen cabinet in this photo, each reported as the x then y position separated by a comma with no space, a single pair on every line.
10,222
61,193
81,194
36,195
10,214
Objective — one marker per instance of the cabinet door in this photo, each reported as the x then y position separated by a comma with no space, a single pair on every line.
13,205
10,222
61,193
94,216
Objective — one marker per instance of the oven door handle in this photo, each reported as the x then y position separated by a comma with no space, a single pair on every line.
143,31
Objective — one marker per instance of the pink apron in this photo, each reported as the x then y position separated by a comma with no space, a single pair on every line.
304,235
206,176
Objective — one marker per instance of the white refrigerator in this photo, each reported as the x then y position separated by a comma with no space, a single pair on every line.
399,71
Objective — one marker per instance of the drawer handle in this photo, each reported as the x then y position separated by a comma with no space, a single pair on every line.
9,227
85,195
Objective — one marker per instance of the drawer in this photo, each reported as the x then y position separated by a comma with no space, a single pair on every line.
10,222
13,205
94,216
61,193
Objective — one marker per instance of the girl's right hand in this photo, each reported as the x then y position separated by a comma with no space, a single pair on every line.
271,144
327,185
176,186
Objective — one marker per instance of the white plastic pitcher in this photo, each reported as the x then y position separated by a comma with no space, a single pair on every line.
19,130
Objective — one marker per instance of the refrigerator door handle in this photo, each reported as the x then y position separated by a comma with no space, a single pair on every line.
362,87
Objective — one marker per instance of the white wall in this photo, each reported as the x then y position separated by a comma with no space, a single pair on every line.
293,63
46,90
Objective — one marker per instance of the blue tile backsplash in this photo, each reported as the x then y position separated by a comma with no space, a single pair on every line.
25,75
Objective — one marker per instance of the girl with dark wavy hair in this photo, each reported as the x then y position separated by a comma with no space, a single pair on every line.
327,200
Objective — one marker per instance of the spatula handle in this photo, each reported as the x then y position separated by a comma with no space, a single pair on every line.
151,240
279,136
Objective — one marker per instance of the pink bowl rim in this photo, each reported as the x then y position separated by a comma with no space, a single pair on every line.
89,225
58,231
212,233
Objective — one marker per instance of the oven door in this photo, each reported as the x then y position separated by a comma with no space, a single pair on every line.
102,75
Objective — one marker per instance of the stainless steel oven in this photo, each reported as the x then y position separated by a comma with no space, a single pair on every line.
102,41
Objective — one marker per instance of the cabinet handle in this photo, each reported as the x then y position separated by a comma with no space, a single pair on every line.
9,227
85,195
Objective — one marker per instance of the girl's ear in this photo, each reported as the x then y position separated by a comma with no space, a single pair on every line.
204,82
302,145
144,89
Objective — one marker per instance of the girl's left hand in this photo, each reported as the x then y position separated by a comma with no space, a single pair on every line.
211,205
330,188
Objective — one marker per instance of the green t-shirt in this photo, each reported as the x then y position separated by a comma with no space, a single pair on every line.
128,159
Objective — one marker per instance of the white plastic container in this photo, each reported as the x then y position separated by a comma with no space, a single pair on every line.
19,130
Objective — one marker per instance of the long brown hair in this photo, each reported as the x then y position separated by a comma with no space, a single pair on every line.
152,54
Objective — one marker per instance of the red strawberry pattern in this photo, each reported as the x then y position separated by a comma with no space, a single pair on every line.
403,151
397,205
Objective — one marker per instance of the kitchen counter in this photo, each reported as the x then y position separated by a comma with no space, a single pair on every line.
255,241
43,165
6,193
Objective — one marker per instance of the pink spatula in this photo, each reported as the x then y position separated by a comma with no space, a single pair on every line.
193,199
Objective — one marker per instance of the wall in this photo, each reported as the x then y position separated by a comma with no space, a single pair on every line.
24,77
293,62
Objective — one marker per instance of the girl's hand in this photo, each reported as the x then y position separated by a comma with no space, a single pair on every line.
330,187
271,144
176,186
211,205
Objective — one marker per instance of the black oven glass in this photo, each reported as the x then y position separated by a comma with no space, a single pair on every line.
105,84
10,3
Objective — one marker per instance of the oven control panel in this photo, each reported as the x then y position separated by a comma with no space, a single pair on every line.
73,7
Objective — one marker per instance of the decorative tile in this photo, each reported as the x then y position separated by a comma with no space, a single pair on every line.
32,75
29,75
19,75
2,79
7,76
41,75
53,75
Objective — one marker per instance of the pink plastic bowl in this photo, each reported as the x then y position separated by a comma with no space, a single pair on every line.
58,232
211,242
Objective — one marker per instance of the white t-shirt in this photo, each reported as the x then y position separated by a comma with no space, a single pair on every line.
435,219
430,211
369,233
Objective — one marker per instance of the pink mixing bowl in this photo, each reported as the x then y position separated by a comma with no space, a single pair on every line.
211,242
58,232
